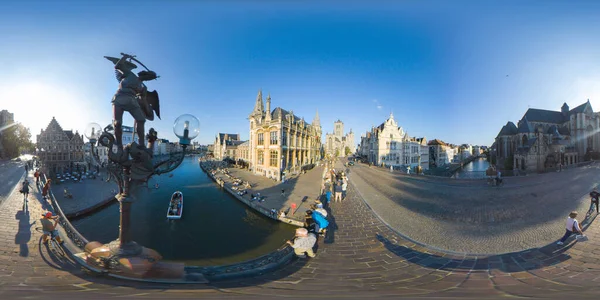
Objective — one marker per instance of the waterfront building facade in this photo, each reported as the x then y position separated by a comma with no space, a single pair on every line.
281,141
243,152
389,145
59,149
441,153
545,139
336,142
225,145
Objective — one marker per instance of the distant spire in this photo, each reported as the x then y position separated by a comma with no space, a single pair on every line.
316,120
268,107
258,106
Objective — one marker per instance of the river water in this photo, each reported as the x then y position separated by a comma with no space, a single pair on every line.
474,169
215,228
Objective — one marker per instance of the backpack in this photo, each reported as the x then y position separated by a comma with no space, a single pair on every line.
320,219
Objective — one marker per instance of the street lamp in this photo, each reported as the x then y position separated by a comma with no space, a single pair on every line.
131,167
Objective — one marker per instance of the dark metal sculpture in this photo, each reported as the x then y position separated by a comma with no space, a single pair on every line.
131,166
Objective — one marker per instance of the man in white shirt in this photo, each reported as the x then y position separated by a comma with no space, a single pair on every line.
572,226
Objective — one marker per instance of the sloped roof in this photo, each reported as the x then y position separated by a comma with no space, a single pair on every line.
545,116
226,136
578,109
68,133
437,142
564,130
234,143
524,126
279,112
509,129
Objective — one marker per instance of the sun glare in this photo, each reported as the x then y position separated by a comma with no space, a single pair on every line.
35,103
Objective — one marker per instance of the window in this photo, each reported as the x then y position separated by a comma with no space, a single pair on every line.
284,139
273,140
260,155
261,138
274,158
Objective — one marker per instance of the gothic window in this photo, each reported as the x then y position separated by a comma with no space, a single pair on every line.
274,158
273,140
261,138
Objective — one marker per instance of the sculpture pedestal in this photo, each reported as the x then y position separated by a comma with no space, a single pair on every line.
132,260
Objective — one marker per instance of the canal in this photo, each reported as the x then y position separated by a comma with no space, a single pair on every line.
215,228
474,169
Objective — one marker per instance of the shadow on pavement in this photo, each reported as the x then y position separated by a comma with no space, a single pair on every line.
531,259
23,236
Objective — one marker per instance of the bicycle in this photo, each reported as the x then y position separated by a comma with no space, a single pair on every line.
53,244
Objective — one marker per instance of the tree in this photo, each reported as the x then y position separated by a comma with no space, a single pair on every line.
15,140
337,152
347,151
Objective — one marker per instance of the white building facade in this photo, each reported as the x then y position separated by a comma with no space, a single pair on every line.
389,145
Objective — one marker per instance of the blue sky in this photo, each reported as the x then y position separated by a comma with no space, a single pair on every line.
440,66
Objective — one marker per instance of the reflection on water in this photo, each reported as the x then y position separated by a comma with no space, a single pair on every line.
215,228
474,169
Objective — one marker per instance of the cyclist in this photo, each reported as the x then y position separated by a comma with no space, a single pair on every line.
49,228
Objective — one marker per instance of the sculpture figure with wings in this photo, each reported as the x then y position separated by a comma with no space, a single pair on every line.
133,97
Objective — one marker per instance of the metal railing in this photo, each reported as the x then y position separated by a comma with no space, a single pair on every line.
72,233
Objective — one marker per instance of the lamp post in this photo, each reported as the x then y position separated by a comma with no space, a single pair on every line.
134,166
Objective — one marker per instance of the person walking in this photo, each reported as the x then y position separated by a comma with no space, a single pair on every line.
344,187
37,178
338,192
25,189
572,226
594,195
46,188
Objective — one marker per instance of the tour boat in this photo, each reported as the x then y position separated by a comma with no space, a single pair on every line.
179,210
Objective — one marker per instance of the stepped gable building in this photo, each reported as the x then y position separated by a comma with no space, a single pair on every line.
389,145
281,141
58,149
545,139
226,145
336,142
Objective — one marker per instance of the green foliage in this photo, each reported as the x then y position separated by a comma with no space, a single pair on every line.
347,151
15,140
337,152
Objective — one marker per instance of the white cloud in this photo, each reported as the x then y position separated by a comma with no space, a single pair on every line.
377,104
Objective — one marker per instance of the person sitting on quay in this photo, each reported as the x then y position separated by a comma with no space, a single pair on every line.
303,243
572,226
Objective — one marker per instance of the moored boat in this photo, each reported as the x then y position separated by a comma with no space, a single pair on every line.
175,210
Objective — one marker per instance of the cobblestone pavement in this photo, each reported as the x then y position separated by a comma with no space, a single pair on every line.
470,216
86,194
302,187
360,257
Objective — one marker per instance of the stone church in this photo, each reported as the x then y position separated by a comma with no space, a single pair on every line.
545,139
336,142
